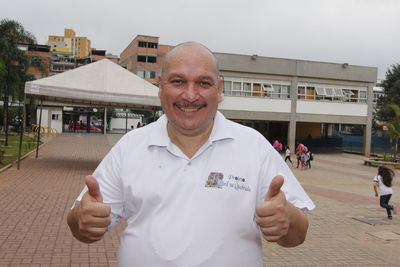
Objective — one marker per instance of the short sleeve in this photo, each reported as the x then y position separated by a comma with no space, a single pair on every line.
274,165
108,176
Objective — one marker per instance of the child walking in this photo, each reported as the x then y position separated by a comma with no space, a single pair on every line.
303,159
384,180
287,155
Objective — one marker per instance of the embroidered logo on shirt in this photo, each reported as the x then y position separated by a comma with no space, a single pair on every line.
216,179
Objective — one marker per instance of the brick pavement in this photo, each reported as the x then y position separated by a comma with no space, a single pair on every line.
35,200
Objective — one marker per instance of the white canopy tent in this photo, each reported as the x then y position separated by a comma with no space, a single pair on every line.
101,83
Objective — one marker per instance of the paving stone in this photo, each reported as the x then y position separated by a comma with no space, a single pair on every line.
385,235
35,200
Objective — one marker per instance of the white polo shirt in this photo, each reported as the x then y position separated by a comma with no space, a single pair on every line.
192,212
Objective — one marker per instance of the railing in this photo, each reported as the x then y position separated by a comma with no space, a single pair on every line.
44,130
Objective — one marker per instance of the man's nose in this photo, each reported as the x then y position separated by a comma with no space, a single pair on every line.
190,93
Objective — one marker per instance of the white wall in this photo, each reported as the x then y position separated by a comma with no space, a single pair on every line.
332,108
45,117
255,104
47,120
119,123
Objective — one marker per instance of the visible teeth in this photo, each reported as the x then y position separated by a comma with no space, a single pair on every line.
189,109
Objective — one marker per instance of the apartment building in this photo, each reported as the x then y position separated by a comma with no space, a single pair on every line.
70,45
144,57
284,99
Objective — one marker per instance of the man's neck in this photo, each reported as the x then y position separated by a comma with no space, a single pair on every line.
189,144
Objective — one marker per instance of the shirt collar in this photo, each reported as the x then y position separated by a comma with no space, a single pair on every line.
221,130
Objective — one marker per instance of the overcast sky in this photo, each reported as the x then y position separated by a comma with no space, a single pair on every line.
359,32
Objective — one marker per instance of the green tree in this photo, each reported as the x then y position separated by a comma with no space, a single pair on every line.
391,84
393,128
14,63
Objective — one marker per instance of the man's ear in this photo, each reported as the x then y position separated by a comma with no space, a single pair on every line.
220,95
160,85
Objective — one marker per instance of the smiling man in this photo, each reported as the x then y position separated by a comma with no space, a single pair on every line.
196,188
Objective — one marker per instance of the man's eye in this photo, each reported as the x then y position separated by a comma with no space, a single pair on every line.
205,84
177,82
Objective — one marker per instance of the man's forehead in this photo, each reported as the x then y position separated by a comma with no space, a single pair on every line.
189,53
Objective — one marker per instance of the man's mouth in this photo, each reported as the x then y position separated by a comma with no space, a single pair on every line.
189,107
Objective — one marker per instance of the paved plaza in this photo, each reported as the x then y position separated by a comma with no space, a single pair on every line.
348,228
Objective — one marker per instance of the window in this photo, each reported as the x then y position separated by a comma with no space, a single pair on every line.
54,116
258,90
151,59
152,45
310,92
152,74
306,92
285,92
277,91
301,92
268,90
140,73
347,95
329,92
141,58
246,89
237,87
142,44
320,91
227,88
362,96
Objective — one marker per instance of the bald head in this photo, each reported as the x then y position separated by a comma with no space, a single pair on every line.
189,48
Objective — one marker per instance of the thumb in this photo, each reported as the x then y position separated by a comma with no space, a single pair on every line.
94,188
274,187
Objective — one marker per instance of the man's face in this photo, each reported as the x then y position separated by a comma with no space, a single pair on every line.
190,90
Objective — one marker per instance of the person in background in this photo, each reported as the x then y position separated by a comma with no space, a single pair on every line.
299,151
287,155
384,181
276,145
310,157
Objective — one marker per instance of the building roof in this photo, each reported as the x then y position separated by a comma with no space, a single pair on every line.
294,67
102,83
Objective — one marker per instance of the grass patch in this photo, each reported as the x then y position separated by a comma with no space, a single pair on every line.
10,154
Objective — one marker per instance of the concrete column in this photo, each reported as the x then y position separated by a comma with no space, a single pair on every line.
368,126
292,118
330,129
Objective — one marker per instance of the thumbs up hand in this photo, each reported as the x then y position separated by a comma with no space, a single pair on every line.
91,214
273,215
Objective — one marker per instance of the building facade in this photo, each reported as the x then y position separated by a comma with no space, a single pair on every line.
70,45
144,57
296,99
284,99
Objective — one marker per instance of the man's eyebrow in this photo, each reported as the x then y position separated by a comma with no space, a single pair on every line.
173,75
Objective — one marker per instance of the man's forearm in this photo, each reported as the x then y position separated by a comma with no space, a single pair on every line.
297,229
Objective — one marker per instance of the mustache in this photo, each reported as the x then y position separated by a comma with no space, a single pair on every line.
189,105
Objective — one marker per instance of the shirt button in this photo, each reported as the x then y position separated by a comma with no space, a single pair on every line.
190,163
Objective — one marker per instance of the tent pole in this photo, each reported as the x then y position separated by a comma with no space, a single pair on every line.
39,129
105,121
126,120
21,128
